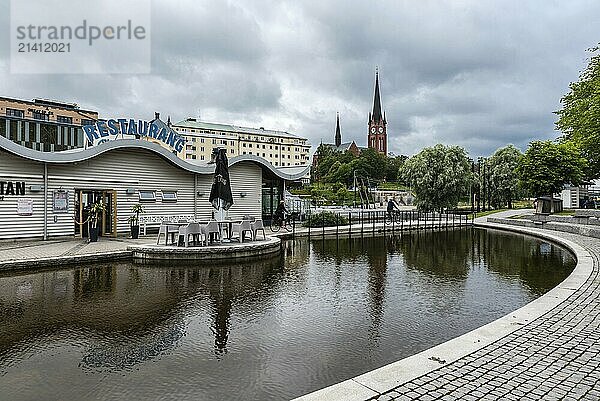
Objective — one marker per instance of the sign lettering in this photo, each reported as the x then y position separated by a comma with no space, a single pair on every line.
112,129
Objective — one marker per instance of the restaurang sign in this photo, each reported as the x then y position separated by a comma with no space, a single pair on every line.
103,131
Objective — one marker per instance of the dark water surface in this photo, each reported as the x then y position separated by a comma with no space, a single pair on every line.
323,312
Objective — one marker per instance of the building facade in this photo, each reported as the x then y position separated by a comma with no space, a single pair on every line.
46,194
44,125
377,131
279,148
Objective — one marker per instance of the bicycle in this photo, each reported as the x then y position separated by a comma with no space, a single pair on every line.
278,222
395,216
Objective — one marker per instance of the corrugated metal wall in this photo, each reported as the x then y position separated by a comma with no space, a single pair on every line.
13,168
118,170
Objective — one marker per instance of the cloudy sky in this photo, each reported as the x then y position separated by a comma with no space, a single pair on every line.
479,74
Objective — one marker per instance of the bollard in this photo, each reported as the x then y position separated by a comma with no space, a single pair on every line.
362,222
350,222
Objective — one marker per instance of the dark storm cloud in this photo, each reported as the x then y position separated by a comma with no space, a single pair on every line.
479,74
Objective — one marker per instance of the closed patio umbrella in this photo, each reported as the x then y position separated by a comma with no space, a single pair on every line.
220,192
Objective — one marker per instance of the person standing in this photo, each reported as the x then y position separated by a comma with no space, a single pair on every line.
391,205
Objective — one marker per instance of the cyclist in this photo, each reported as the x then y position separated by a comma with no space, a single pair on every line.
390,208
280,213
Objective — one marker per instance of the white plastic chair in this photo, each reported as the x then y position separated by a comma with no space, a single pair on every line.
257,225
240,229
212,227
192,229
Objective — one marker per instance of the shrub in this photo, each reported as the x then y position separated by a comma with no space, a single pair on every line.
325,219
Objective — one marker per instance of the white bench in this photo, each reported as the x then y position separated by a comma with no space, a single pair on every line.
156,220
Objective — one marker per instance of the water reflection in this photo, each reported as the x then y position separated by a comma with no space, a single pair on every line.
321,312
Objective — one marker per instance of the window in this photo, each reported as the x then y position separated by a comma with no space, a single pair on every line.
249,145
63,119
202,157
85,121
231,151
193,139
243,145
169,196
263,146
15,113
231,143
201,140
214,141
147,196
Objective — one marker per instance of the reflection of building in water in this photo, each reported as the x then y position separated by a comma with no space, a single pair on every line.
139,309
377,256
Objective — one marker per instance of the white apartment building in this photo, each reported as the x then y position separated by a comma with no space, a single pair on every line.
280,148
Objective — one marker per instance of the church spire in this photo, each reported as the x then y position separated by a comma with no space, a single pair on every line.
376,116
338,132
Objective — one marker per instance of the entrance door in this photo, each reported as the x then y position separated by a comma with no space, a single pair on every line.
107,221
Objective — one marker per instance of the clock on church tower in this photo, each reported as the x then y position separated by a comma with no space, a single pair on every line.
377,135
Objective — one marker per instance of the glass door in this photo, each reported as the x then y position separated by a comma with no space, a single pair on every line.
109,215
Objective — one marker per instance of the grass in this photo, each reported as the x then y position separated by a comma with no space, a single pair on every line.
486,213
565,212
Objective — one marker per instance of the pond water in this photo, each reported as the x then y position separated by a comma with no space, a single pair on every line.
321,313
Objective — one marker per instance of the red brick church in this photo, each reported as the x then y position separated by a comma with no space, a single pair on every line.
376,134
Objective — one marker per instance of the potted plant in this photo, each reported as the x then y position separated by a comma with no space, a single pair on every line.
95,211
134,220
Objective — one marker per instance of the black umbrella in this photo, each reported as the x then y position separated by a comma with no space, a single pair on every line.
220,192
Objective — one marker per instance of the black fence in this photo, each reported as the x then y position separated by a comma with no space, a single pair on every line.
370,222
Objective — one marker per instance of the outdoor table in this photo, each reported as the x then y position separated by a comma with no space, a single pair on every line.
178,224
229,224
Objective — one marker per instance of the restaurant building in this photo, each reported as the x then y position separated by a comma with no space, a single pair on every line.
48,194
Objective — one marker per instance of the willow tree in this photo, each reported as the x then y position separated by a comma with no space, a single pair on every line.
439,176
503,177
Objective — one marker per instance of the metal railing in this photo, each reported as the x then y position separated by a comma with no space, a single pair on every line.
370,222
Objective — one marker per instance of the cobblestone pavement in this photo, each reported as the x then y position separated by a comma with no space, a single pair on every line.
555,357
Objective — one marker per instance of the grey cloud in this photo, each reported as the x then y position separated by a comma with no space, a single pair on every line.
480,74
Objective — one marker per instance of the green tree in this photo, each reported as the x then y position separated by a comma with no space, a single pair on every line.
370,164
579,118
439,176
503,179
393,166
547,166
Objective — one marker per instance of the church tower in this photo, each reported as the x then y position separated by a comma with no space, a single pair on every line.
377,135
338,132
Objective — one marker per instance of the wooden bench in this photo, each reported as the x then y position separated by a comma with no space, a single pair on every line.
156,220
